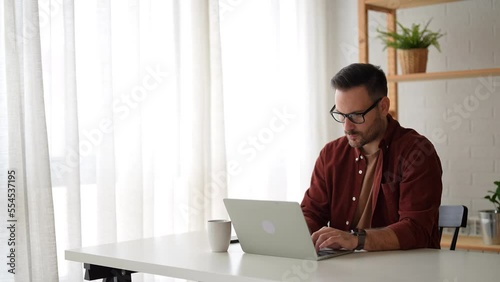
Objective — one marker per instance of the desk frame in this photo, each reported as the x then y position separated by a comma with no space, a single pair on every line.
108,274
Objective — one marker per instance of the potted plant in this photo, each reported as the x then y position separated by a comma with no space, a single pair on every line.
490,219
412,45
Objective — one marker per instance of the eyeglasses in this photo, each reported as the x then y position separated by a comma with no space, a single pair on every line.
357,118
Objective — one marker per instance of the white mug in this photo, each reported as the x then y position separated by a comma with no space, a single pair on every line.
219,234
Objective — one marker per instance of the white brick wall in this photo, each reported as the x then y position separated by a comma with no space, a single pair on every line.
470,106
467,111
485,152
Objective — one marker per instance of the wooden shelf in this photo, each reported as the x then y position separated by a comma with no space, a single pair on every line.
444,75
389,8
470,243
401,4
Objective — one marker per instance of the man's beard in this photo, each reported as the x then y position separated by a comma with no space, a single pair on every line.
364,138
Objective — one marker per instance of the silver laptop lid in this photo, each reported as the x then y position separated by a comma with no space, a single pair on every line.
273,228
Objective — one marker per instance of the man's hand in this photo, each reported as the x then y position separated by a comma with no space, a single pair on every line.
328,237
376,239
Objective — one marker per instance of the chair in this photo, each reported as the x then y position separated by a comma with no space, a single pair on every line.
452,217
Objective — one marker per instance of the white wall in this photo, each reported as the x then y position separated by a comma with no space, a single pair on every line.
460,116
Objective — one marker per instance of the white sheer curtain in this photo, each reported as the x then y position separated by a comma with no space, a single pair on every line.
136,131
137,124
28,243
277,62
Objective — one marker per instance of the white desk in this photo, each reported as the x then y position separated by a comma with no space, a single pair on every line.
188,256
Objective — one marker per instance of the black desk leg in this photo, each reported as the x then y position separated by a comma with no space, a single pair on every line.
107,274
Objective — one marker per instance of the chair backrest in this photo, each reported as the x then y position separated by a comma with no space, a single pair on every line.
452,217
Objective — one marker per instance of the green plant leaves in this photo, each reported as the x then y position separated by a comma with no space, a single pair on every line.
495,196
411,38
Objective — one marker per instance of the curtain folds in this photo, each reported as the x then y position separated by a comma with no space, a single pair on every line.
24,157
140,151
276,78
131,119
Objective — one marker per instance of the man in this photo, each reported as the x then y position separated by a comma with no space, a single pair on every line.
379,186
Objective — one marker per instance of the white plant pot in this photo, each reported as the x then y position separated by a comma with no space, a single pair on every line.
490,226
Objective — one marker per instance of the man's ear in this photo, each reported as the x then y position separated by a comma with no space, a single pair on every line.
384,105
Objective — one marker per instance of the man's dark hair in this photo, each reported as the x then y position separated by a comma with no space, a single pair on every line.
367,75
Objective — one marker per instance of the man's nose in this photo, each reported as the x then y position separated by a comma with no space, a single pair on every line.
348,125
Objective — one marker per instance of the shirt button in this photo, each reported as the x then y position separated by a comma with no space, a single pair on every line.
360,171
361,157
357,159
347,222
353,199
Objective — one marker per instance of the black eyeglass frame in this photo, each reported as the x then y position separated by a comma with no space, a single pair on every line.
350,116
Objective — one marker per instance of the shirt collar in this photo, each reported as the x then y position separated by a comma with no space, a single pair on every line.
392,125
384,144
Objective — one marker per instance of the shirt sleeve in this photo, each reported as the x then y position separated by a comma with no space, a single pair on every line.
315,205
420,192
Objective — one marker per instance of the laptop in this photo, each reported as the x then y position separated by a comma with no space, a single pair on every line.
274,228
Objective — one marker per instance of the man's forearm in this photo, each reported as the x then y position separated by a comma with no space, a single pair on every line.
383,239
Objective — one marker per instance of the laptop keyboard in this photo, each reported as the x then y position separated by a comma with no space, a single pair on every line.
325,252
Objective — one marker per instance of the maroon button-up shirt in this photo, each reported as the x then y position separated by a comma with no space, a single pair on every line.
406,189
